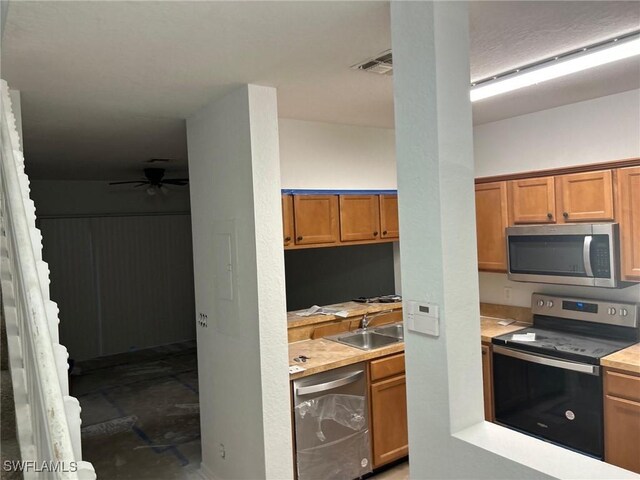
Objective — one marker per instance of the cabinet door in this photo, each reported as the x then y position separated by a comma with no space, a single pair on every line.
487,378
389,420
389,226
622,433
585,197
359,217
532,200
491,222
287,219
316,219
628,183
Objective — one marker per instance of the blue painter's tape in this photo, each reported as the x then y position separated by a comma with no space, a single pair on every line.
145,438
185,384
338,192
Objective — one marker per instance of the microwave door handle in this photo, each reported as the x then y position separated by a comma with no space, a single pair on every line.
586,255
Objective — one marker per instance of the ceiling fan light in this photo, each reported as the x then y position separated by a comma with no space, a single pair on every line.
164,189
151,191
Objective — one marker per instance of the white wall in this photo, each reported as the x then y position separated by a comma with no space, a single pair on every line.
72,198
606,128
330,156
239,284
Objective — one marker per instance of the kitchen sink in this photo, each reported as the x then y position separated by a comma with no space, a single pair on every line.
367,339
396,330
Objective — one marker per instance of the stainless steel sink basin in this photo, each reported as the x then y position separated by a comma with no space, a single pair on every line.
365,339
396,330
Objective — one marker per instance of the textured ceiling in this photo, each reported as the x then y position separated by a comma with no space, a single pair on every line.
106,85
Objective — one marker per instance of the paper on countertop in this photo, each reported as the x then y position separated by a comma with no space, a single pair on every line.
524,337
506,321
295,369
316,310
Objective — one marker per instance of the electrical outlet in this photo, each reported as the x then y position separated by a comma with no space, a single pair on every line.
223,453
203,320
507,295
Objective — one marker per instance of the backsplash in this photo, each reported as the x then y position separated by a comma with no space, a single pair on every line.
492,290
323,276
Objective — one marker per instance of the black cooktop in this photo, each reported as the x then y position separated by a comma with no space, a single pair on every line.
562,344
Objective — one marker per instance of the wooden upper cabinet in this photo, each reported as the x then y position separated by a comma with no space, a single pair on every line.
532,200
585,197
359,217
316,219
628,215
389,225
491,222
287,219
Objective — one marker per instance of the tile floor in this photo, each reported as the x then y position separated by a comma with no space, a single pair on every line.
141,415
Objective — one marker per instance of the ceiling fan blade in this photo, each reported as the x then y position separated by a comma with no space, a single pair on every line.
122,183
176,181
141,184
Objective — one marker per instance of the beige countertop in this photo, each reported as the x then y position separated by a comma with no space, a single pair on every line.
489,328
627,359
354,309
326,355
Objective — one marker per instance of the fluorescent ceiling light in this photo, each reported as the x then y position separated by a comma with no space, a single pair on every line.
611,51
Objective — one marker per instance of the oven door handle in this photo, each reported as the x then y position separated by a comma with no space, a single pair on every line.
586,255
548,361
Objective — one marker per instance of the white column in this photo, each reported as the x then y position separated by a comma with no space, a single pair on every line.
434,148
234,176
447,435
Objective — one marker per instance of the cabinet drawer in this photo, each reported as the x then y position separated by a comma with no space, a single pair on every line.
385,367
622,385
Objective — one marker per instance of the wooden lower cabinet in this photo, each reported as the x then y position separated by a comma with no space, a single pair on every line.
622,420
487,380
388,410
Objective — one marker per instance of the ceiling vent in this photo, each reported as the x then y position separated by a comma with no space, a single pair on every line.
381,64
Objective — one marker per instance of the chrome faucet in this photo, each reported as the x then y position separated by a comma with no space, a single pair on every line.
367,317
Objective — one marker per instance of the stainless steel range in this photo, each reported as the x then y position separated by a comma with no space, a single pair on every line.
547,379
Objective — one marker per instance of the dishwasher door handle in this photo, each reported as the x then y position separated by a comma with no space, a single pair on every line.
323,387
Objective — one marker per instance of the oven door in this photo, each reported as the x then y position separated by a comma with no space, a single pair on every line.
553,399
563,254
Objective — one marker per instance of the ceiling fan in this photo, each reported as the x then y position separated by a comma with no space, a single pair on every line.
155,181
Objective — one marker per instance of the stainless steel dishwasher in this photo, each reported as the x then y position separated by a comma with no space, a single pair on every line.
332,424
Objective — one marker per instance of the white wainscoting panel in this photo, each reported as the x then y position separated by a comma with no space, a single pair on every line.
122,283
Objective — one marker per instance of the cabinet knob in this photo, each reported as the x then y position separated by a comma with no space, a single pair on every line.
565,214
299,238
375,234
384,232
549,216
287,239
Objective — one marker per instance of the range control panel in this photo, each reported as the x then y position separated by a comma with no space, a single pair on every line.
590,310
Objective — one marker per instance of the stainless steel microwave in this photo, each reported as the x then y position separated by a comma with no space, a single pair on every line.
576,254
